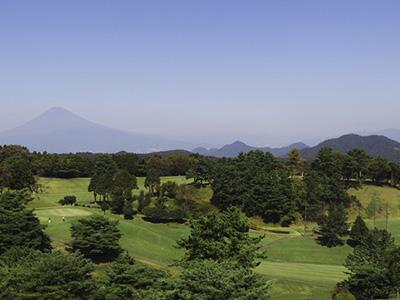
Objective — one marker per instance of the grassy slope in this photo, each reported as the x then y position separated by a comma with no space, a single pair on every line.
297,266
151,243
386,194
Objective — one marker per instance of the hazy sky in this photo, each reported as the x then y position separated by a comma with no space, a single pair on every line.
257,69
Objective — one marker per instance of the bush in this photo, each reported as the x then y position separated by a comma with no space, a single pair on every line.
68,200
286,221
164,214
342,294
169,189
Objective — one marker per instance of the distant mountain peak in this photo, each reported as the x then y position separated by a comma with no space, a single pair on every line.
52,120
61,131
374,145
238,143
237,147
57,109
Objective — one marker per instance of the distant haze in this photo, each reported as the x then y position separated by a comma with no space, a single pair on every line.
268,73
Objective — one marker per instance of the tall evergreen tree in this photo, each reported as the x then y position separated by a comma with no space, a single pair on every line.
333,227
19,227
127,279
222,236
358,233
368,267
96,238
122,186
152,181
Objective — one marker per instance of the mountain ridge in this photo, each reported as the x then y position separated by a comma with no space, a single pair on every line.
373,145
237,147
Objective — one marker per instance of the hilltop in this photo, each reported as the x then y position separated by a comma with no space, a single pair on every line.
234,149
374,145
61,131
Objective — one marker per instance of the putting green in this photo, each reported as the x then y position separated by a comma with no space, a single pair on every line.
320,275
62,212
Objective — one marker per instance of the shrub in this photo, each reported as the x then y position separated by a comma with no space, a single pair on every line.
164,214
68,200
169,189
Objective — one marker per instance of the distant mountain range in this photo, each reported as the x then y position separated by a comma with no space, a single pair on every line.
374,145
234,149
60,131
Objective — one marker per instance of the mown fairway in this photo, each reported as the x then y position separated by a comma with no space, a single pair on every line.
297,266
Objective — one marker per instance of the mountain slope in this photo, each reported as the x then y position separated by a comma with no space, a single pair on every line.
391,133
234,149
55,119
374,145
60,131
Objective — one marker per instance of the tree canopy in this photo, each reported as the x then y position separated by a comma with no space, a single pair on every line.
96,238
19,227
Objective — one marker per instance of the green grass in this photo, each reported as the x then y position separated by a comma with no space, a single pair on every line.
387,194
303,273
306,250
290,290
154,244
316,274
298,267
147,242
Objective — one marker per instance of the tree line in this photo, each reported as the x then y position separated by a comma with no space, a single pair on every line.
112,189
291,189
83,164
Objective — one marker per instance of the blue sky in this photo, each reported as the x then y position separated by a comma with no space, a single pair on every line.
267,72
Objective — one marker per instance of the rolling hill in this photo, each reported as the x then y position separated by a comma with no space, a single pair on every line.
61,131
234,149
374,145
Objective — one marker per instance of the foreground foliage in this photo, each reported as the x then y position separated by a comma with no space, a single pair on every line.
208,279
97,238
373,266
28,274
19,227
221,236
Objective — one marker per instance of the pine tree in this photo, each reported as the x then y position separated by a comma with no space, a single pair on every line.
207,279
222,236
127,279
19,227
368,267
144,200
96,238
333,227
358,233
128,210
36,275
